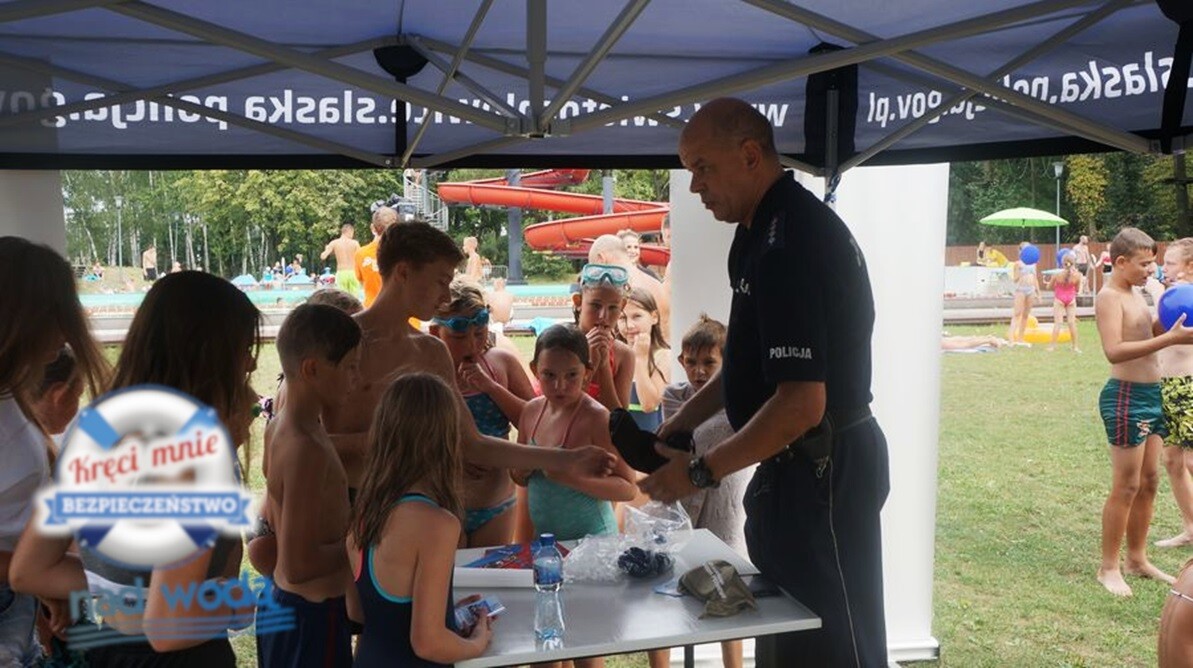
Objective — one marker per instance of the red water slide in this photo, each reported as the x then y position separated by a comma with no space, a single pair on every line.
570,236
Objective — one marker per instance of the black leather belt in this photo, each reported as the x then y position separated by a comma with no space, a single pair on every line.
816,445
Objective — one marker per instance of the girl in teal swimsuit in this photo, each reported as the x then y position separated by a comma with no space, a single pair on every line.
495,389
566,417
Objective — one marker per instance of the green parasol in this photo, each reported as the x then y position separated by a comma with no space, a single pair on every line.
1025,217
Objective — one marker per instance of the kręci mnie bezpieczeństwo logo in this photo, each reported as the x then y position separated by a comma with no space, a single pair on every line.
147,477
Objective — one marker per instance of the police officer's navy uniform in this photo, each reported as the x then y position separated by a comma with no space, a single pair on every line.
803,311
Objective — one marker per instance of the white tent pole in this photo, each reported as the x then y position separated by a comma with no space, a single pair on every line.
1040,49
27,9
1072,122
805,65
307,62
132,95
536,57
210,112
452,72
616,29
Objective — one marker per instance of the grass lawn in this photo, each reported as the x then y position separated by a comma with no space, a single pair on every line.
1023,475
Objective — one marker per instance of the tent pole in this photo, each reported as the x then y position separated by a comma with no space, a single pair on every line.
513,70
27,9
210,112
869,48
622,23
464,152
132,95
1072,122
1010,66
536,56
451,72
307,62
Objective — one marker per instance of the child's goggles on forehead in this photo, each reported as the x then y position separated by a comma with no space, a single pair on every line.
460,324
596,274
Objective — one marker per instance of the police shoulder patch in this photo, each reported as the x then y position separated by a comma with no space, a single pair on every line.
774,232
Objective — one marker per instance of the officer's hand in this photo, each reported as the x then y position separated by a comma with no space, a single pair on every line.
673,425
670,481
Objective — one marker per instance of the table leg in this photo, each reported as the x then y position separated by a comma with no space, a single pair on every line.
689,656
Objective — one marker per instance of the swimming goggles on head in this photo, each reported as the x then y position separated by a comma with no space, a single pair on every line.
459,324
596,274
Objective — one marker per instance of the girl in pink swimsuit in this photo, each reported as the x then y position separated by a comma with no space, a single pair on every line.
1064,302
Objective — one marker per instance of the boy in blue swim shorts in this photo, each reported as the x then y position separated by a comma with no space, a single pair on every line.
1131,407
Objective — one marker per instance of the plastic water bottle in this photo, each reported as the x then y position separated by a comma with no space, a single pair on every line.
548,579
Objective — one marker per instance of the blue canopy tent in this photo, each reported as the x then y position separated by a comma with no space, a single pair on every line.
526,83
304,83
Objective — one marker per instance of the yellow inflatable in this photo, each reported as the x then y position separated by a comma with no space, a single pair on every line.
1041,335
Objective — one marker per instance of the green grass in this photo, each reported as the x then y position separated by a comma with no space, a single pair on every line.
1023,475
1024,472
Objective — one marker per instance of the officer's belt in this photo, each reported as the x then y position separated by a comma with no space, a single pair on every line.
816,444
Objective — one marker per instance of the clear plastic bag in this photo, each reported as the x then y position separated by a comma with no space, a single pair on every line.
594,559
658,527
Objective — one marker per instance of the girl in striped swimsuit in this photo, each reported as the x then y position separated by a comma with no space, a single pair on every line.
495,389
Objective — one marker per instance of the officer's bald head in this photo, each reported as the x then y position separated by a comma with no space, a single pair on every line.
733,121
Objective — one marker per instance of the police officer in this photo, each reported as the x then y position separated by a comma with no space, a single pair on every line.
796,386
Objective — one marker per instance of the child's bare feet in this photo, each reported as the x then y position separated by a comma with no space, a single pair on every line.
1147,570
1113,582
1180,540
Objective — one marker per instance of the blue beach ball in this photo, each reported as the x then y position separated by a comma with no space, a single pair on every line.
1175,301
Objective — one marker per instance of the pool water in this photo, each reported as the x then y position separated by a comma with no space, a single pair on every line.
293,296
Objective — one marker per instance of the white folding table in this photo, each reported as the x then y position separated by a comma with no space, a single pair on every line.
628,616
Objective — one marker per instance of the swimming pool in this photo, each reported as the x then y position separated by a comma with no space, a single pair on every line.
130,300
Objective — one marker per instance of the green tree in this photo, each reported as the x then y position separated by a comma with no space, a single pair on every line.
1085,186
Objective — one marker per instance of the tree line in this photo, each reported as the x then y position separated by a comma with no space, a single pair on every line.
231,222
1099,195
240,221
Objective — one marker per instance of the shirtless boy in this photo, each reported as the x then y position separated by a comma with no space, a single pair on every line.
417,262
319,348
1176,389
1131,407
345,248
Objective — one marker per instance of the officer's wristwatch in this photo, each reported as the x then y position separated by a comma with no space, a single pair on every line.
700,475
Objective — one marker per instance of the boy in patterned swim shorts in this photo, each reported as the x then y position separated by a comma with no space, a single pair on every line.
1130,405
1176,370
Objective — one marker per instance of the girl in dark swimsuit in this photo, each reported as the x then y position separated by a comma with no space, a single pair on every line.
406,526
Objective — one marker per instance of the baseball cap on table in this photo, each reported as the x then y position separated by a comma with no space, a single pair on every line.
718,584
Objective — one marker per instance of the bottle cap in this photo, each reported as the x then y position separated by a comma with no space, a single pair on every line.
547,539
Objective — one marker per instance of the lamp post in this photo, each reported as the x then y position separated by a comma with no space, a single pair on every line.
1058,169
119,235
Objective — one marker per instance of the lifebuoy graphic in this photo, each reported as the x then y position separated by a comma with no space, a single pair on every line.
147,477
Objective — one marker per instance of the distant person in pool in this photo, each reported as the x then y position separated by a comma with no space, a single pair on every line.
501,303
344,247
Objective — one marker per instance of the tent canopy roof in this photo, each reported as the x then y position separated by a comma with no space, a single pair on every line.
206,83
